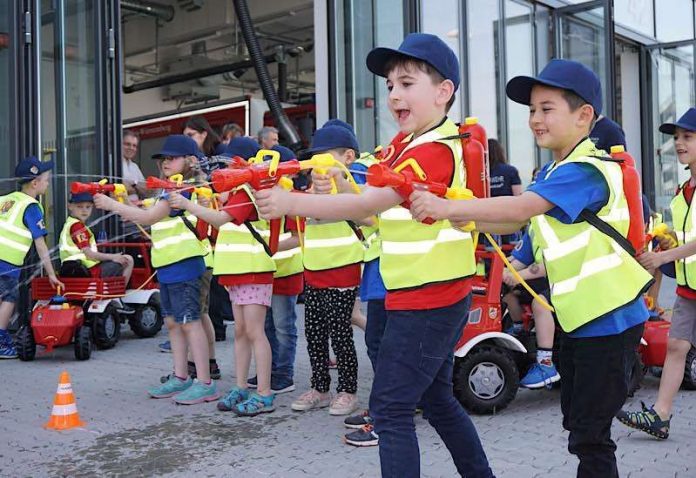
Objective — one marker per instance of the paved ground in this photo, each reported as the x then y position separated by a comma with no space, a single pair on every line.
128,434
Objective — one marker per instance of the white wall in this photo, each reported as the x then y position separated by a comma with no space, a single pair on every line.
630,103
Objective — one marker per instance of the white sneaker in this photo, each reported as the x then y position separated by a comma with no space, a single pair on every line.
311,399
344,404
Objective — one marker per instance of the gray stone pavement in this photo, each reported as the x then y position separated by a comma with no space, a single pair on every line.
128,434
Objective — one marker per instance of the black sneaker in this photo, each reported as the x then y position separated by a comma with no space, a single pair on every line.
252,382
358,421
647,420
191,370
363,437
281,386
215,371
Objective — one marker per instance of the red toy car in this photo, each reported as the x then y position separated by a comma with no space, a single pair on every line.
653,350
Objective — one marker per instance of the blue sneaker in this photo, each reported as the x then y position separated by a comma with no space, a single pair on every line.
255,405
166,347
199,392
233,398
282,385
540,375
7,349
170,388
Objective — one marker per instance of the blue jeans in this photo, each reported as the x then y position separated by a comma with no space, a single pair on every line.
181,300
281,331
374,329
415,363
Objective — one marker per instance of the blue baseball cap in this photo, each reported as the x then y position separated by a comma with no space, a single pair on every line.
242,146
31,168
565,74
420,46
178,145
687,122
333,135
80,197
286,154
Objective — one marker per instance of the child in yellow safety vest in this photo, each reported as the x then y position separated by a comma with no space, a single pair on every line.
243,265
21,224
681,250
178,256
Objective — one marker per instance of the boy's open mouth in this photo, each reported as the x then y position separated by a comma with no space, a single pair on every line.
403,114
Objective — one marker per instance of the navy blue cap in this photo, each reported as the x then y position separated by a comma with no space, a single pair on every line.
687,122
565,74
80,197
242,146
178,145
333,135
420,46
286,154
31,168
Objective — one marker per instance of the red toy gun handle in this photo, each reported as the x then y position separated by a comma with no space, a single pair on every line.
275,235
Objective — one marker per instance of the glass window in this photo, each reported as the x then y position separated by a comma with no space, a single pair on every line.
8,162
482,71
674,20
636,15
519,60
447,28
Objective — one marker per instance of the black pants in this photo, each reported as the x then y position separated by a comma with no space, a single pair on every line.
594,386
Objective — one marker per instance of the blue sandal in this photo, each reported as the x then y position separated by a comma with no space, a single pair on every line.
255,405
235,396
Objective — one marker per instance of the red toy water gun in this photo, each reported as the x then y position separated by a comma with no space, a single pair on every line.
475,146
380,175
102,187
634,197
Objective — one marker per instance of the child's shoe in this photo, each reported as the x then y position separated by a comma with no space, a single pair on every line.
540,375
366,436
7,348
232,399
647,420
358,421
215,370
253,382
171,387
165,347
199,392
311,399
255,405
343,404
281,385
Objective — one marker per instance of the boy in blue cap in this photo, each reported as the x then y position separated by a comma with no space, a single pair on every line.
579,218
426,269
21,223
682,333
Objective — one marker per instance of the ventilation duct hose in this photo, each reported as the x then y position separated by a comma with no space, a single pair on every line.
269,92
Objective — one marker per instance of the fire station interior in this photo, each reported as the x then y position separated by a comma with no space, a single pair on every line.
169,40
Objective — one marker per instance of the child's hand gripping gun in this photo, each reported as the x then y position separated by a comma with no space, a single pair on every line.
380,175
662,233
102,187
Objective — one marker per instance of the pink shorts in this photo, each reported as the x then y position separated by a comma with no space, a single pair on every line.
248,294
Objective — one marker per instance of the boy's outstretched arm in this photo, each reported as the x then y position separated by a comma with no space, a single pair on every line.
45,256
504,209
215,218
652,260
276,202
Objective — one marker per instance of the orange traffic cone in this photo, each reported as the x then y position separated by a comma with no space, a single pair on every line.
64,415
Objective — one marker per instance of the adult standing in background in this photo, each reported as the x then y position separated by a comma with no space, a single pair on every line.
198,129
231,130
607,133
268,137
505,179
132,176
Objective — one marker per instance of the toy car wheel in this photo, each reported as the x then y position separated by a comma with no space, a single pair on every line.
486,380
147,320
106,328
689,382
25,344
637,374
83,343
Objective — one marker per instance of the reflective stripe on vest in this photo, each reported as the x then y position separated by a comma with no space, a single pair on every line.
69,250
173,241
329,245
589,273
414,254
684,221
238,252
373,241
15,237
288,262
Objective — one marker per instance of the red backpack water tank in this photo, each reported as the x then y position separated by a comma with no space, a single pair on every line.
476,157
634,197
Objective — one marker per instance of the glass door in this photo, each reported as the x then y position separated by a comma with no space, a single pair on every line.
669,90
585,33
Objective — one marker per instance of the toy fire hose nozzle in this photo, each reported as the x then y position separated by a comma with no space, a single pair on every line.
102,187
662,232
258,176
321,164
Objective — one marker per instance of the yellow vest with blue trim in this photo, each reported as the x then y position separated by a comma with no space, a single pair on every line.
684,221
288,263
414,254
590,274
238,252
15,237
173,241
69,250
